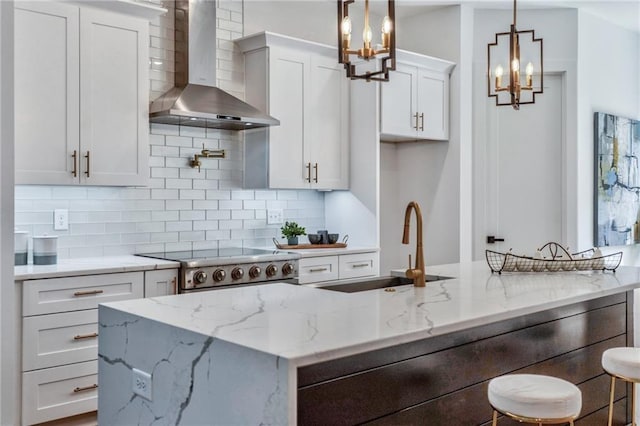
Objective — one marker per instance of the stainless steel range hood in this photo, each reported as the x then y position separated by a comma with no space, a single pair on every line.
195,101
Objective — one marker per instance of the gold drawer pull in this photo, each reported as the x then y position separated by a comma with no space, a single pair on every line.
84,336
360,265
75,163
318,269
87,293
86,388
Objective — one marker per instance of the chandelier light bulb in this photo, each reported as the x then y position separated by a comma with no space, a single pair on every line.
367,36
499,74
529,72
515,65
346,26
386,31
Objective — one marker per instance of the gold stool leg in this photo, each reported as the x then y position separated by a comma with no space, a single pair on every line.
611,392
633,404
495,418
571,422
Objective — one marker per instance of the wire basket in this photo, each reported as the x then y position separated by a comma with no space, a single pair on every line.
556,258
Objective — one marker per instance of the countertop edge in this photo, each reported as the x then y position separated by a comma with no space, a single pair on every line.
90,266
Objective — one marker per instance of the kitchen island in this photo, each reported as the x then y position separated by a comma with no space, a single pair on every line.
287,354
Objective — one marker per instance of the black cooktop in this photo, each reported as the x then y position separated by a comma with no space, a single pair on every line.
221,256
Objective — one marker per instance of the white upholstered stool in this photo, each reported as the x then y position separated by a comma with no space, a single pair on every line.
534,398
623,364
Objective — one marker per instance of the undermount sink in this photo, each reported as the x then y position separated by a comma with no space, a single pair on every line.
354,286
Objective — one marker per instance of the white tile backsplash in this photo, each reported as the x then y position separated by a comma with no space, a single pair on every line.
182,208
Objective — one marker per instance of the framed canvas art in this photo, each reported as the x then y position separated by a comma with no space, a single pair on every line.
617,189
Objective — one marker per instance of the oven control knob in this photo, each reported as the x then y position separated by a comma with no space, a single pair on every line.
271,270
200,277
219,275
287,269
254,272
237,273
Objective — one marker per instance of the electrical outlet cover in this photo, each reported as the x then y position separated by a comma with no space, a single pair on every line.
274,216
141,383
60,219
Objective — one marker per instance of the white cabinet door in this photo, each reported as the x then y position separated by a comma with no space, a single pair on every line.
327,143
114,97
433,105
398,102
54,393
304,87
46,92
67,58
414,104
317,269
289,79
162,282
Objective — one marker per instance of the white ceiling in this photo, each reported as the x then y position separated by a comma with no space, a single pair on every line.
625,13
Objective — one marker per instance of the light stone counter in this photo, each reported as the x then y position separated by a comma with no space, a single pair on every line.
91,265
210,347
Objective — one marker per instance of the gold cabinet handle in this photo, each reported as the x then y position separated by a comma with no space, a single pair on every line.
416,117
422,121
308,167
87,293
315,168
360,265
318,269
85,336
86,388
88,164
75,163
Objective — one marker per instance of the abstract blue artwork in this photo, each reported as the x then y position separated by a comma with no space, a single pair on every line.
617,192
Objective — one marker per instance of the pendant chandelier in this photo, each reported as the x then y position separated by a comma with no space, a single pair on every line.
509,51
386,51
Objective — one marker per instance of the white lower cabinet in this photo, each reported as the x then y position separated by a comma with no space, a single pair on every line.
162,282
357,265
315,269
60,341
338,267
58,392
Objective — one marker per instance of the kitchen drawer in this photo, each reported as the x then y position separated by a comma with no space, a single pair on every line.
58,392
315,269
75,293
357,265
58,339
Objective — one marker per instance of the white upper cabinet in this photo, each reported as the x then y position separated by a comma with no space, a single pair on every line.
301,84
81,91
414,103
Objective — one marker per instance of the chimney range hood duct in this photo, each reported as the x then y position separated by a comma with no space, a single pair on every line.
195,101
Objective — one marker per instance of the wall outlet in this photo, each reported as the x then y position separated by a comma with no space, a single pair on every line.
274,217
142,384
61,219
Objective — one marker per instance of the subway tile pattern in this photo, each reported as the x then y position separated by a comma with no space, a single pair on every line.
182,208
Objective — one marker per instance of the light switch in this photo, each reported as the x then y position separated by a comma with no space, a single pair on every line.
61,219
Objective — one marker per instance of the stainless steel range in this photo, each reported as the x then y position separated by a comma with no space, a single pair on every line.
214,269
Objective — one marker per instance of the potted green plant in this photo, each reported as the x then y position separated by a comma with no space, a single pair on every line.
290,231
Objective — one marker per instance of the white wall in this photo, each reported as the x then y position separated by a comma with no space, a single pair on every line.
609,66
559,30
427,172
9,396
181,209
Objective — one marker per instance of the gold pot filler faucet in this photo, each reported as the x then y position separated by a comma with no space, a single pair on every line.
417,273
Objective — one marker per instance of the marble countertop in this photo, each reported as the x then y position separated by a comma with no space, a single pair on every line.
91,265
307,325
316,252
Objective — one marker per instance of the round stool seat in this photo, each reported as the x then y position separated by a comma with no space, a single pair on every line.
623,362
535,396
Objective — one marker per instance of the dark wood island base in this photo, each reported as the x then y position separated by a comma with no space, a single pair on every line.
443,380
